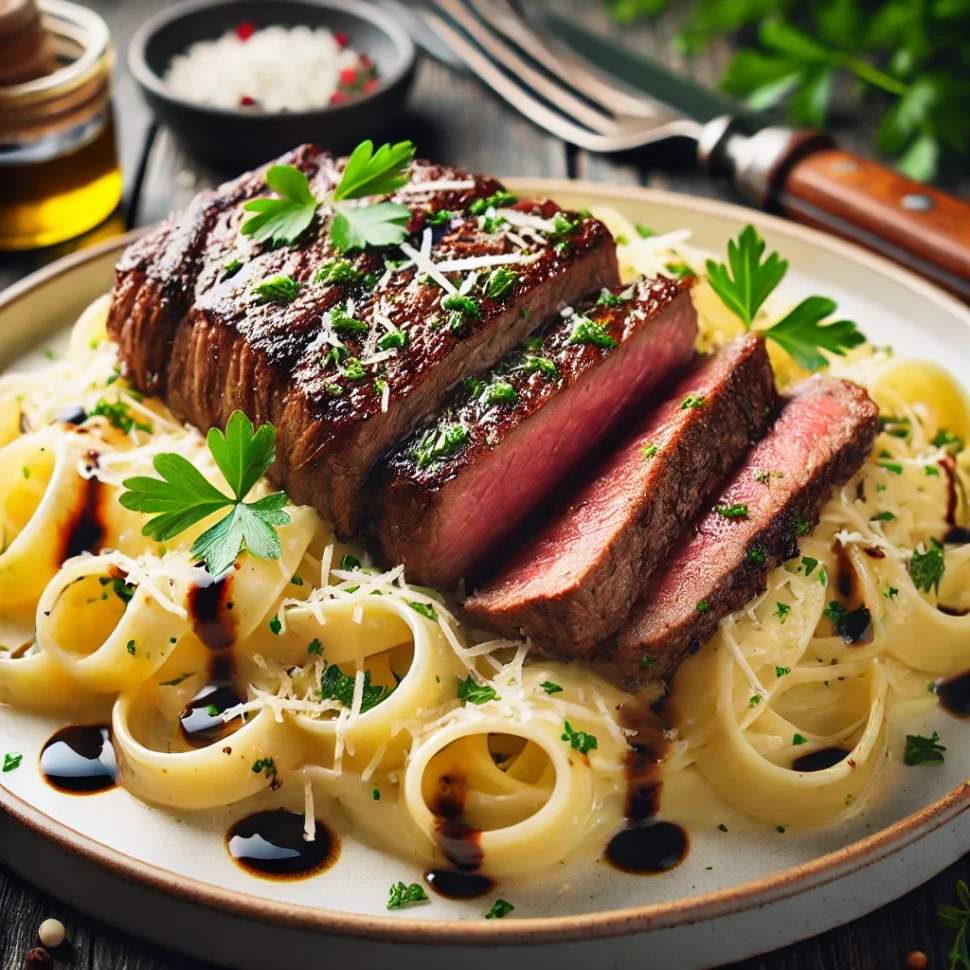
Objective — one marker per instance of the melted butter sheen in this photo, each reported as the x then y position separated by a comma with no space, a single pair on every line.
271,845
80,760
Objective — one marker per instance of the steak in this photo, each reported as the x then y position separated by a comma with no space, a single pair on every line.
822,437
321,366
575,585
517,432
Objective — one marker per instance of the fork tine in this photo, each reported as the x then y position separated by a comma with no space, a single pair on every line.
561,63
555,93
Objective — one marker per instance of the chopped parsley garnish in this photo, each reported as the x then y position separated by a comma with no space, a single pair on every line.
681,271
823,576
275,625
614,300
809,563
923,751
376,794
722,827
802,526
440,443
539,365
782,671
335,685
230,268
883,517
475,387
183,496
646,662
754,701
891,466
649,450
461,308
703,606
745,282
11,760
442,217
401,895
369,173
340,322
353,370
471,692
264,765
425,609
500,909
586,331
393,340
130,647
280,289
927,568
118,416
501,200
689,403
550,688
500,283
931,471
736,511
947,439
315,647
799,739
349,563
579,740
124,591
644,232
896,427
337,271
501,392
297,580
754,557
563,226
890,593
780,828
782,612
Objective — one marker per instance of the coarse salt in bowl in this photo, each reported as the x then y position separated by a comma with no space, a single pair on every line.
273,69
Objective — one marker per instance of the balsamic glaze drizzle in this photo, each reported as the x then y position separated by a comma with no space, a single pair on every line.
271,845
80,759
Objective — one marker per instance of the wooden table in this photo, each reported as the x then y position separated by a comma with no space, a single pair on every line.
452,119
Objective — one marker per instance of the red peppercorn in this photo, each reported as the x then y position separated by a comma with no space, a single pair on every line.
338,97
245,30
246,101
37,957
342,40
371,84
348,77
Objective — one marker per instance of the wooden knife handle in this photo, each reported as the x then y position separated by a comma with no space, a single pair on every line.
861,200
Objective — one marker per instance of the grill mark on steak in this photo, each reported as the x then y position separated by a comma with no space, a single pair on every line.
196,335
445,518
822,437
575,585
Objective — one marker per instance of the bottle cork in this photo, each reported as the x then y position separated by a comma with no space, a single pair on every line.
26,50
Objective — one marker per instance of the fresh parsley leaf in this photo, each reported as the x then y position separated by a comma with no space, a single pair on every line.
736,511
279,289
692,403
337,271
264,766
501,392
500,909
947,439
349,563
182,496
425,609
500,283
393,340
360,226
586,331
440,443
550,688
471,692
747,281
402,895
799,739
883,517
927,567
532,364
501,200
11,760
958,919
579,740
118,416
649,450
315,648
282,220
782,671
370,173
782,612
923,751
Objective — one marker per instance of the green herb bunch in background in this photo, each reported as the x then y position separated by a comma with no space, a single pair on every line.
907,59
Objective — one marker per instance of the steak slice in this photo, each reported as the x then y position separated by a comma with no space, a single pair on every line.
822,437
518,431
575,585
191,328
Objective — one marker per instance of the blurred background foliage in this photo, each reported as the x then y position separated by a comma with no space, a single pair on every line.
907,60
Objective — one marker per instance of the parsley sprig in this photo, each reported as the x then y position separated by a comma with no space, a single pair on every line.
746,281
958,919
183,496
923,751
284,219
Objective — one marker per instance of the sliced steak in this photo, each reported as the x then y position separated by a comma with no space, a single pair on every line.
575,585
822,437
190,326
519,430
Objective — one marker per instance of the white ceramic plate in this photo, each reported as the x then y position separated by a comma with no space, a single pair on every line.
168,878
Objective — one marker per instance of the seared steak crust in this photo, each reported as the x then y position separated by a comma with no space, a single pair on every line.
526,425
190,327
575,585
822,437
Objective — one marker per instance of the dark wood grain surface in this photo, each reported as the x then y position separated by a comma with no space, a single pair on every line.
453,119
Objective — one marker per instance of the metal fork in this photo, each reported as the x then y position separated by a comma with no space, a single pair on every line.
474,31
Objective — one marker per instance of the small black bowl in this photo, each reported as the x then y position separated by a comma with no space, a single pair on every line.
227,137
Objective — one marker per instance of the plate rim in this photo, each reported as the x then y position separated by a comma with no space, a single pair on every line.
530,930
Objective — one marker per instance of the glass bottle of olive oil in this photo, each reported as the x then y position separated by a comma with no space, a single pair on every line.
59,174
